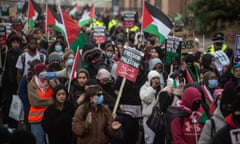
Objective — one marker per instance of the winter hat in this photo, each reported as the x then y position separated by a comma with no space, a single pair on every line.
235,66
190,95
103,73
153,62
82,70
153,74
39,68
217,93
91,52
206,60
54,56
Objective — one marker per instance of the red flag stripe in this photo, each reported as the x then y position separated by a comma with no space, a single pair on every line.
72,28
31,12
75,63
147,18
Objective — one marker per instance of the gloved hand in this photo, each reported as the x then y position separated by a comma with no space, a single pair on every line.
48,75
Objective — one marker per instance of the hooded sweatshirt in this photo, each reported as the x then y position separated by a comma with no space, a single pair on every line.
148,94
185,131
152,63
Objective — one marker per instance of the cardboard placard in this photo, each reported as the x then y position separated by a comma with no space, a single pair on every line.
188,43
128,19
129,63
3,35
99,34
235,136
237,50
173,50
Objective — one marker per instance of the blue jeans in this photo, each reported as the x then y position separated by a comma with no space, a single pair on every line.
38,132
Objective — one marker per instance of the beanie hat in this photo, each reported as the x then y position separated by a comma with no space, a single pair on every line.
54,56
233,68
153,74
103,73
91,52
190,95
82,70
39,68
153,62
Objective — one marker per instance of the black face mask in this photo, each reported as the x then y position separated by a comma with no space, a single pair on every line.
152,41
236,118
226,111
56,66
196,106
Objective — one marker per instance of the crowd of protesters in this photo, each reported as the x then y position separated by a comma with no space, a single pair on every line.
201,102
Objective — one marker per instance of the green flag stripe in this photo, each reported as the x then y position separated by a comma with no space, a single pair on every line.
80,41
59,29
152,29
30,24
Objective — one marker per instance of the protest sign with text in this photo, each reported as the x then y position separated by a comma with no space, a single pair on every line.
173,50
99,34
3,35
129,63
129,19
237,50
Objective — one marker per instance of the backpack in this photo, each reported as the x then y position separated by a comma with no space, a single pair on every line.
171,113
23,59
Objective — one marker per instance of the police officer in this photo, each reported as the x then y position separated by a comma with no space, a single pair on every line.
218,44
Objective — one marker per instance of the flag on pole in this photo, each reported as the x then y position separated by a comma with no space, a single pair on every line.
87,16
155,22
54,20
74,36
74,11
32,14
75,63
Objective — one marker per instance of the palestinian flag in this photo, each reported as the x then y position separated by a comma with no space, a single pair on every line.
74,36
87,16
54,20
32,14
74,11
155,22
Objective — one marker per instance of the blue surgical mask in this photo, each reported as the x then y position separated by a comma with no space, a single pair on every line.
212,83
99,100
70,62
58,48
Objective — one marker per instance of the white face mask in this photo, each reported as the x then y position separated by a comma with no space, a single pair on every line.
109,54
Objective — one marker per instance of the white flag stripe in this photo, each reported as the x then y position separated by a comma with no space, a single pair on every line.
162,28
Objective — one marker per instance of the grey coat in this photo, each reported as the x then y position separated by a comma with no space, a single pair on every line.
218,118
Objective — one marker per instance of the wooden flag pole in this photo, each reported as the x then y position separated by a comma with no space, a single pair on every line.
119,95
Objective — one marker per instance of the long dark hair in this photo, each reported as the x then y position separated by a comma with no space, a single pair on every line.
55,90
